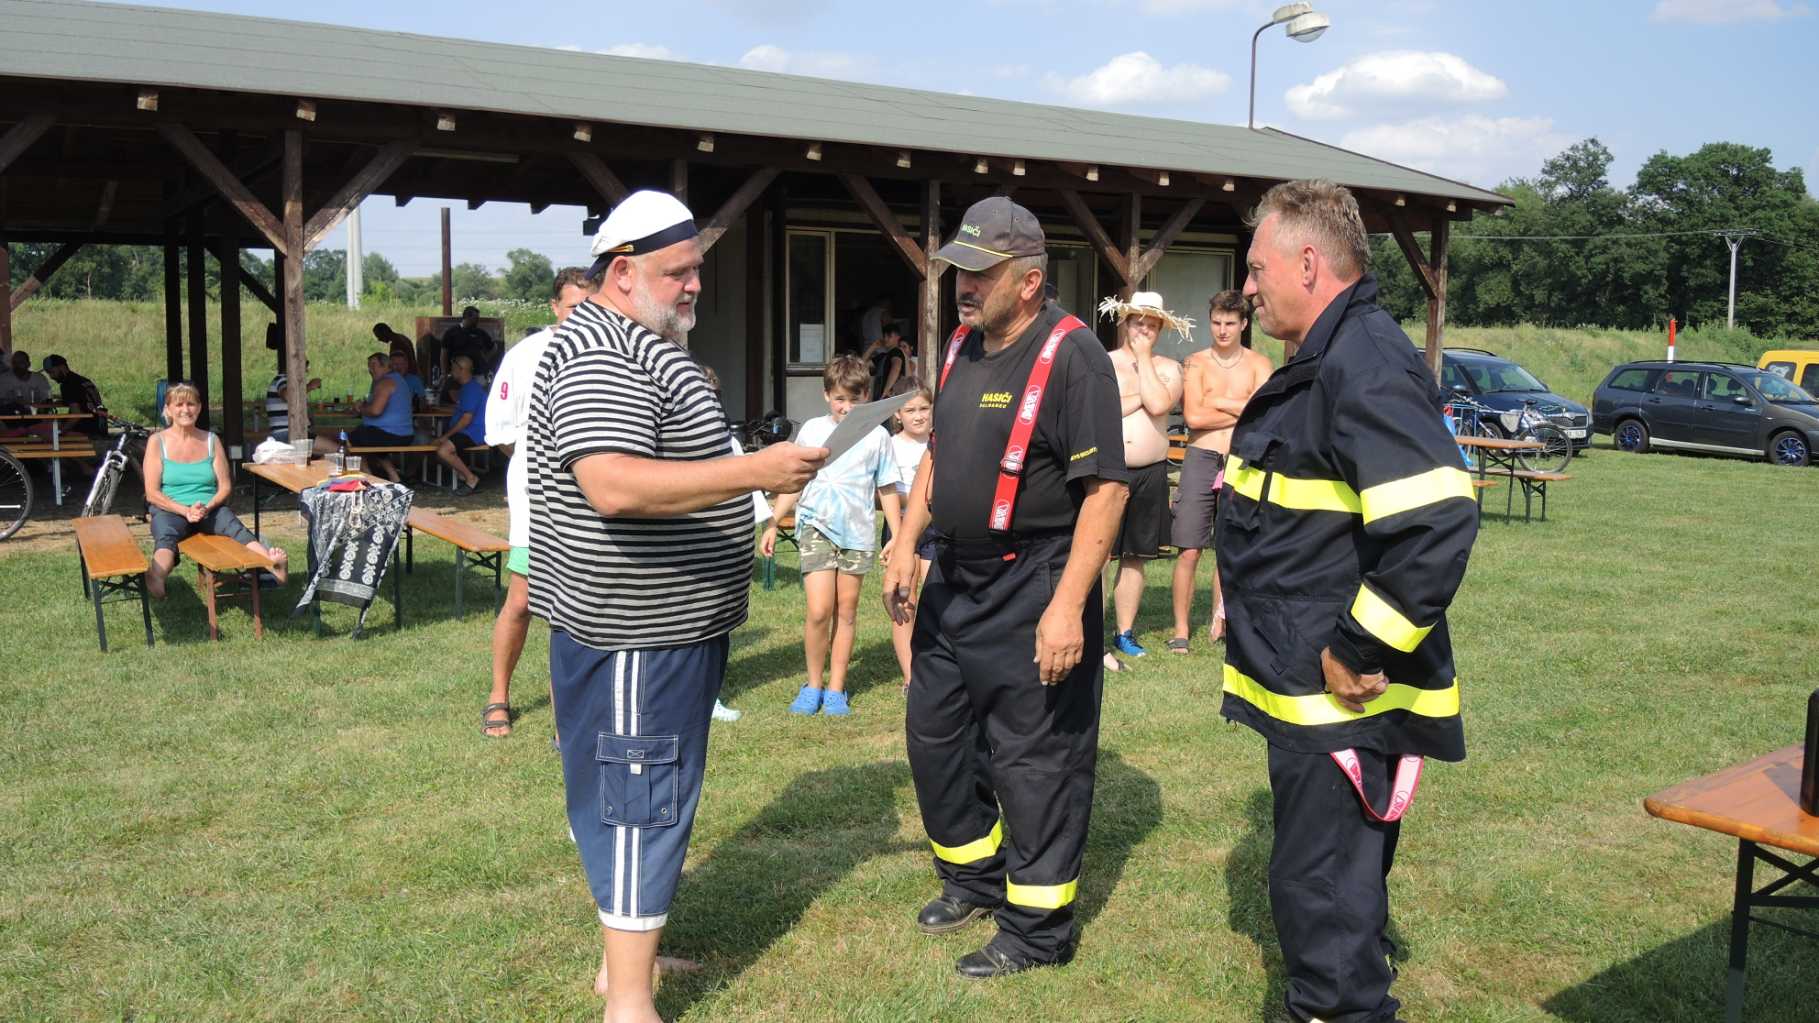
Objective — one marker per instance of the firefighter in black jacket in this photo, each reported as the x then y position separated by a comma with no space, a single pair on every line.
1344,528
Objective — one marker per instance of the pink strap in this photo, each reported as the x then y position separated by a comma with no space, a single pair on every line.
1402,792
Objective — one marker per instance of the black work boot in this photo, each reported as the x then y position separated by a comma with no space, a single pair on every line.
992,961
948,913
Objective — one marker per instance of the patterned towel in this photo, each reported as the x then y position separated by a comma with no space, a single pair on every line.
352,535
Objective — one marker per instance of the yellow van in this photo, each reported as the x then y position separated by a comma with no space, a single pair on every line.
1801,365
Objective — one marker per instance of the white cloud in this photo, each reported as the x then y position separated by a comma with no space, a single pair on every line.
1474,148
819,64
1720,12
649,51
1138,78
1398,79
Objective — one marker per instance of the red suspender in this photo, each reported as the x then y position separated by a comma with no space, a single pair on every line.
1402,791
1010,467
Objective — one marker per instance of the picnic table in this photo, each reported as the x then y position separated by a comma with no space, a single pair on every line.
1501,452
296,478
28,450
1757,803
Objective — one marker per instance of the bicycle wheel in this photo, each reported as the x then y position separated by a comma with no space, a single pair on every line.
1556,449
15,494
107,480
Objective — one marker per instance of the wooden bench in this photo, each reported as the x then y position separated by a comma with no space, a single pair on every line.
113,568
226,570
1533,483
487,549
427,451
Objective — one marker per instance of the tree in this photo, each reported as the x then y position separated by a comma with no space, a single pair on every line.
529,276
325,276
474,281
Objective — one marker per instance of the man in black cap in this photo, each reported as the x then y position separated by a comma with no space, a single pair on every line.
466,338
1028,483
79,393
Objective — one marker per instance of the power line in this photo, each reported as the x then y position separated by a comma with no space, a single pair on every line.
1594,237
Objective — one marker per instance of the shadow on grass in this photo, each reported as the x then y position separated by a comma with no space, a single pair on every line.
1127,806
757,884
872,665
1685,979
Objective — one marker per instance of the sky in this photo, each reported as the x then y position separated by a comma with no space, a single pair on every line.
1468,89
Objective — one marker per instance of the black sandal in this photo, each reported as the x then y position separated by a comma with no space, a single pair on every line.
488,722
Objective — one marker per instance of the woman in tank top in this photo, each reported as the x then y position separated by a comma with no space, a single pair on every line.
187,487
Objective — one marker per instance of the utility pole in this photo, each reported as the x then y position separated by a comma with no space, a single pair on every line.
1735,240
356,277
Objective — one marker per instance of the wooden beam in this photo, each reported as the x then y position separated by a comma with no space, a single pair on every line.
237,194
296,345
105,208
899,239
1166,237
262,293
1436,304
599,175
538,207
1095,233
1132,226
678,181
42,275
20,137
735,205
928,330
173,305
349,196
233,401
1411,251
195,265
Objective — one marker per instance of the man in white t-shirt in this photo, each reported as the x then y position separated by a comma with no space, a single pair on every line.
507,411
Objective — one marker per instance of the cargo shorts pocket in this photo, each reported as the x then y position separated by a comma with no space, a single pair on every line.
637,779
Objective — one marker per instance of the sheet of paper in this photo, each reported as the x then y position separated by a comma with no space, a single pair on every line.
861,421
811,343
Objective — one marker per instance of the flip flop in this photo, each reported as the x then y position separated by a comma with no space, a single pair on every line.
1178,645
487,721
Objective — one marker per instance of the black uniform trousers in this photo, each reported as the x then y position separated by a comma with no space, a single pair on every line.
1329,889
985,733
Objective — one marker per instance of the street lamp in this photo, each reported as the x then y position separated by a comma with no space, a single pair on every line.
1303,25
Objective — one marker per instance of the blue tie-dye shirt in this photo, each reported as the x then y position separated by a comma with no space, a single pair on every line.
839,501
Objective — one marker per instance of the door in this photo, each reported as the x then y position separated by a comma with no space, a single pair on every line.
1670,407
1727,414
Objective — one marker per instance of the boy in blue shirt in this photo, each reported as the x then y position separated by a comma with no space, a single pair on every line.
467,426
837,534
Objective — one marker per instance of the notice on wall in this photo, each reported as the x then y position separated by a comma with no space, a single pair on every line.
811,343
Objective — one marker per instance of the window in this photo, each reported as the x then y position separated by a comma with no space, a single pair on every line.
1452,378
1809,381
1679,383
1776,389
1723,387
1781,369
1630,380
811,299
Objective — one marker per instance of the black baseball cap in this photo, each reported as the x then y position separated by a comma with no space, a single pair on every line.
992,231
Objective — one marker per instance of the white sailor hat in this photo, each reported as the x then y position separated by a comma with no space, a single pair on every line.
645,221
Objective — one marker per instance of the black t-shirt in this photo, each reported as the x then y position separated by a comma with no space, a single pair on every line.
81,395
472,342
1079,433
881,369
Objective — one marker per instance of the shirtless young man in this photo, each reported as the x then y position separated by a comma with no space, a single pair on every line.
1220,380
1149,385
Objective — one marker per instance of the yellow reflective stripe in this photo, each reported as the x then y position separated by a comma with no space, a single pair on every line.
1385,622
1291,492
971,852
1418,491
1324,709
1041,896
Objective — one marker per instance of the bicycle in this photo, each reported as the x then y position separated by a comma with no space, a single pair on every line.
1526,424
113,467
770,428
15,494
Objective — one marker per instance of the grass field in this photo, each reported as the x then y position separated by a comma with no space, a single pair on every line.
121,346
313,829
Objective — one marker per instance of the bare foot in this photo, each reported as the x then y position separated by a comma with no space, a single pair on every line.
1216,631
281,565
1112,663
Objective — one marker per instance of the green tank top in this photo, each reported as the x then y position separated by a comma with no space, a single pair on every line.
189,483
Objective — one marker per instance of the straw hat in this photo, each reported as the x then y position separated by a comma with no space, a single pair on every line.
1146,303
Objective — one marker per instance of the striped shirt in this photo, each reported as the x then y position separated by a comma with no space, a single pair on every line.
606,385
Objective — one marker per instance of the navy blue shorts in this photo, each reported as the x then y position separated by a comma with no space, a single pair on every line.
634,749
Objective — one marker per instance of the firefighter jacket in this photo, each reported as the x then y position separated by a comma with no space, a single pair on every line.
1345,522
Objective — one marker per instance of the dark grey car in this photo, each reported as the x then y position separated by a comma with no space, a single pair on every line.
1503,386
1716,407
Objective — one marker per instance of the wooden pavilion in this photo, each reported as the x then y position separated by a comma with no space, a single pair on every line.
214,133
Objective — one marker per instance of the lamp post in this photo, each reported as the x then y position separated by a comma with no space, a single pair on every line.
1303,26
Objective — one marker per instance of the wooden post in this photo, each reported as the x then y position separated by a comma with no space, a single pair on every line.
198,314
233,402
173,307
6,297
755,348
1133,245
296,348
928,332
1436,305
448,282
276,305
678,180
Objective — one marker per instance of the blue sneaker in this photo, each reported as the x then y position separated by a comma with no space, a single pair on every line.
1127,644
808,701
834,705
